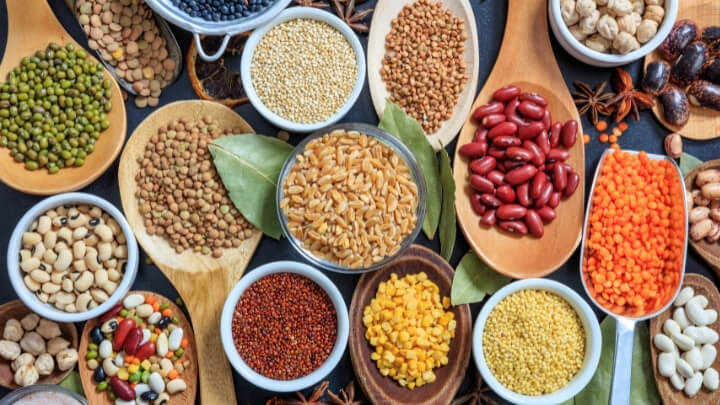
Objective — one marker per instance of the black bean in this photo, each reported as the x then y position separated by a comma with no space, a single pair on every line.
149,395
704,94
676,108
96,335
688,67
99,374
164,322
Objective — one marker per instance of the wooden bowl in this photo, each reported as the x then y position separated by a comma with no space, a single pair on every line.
668,394
32,25
385,12
17,310
190,375
385,390
710,252
704,123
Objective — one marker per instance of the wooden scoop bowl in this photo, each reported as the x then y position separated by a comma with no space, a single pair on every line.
525,60
31,27
710,252
384,390
17,310
668,394
190,374
202,281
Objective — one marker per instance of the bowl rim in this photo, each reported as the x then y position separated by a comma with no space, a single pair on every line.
22,392
593,342
341,340
671,9
387,140
294,13
16,276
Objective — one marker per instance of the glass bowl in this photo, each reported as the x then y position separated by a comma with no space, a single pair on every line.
20,393
386,139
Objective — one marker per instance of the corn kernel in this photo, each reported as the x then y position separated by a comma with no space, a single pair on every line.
123,374
133,368
145,364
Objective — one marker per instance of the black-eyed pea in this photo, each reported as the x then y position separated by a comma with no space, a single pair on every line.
114,226
84,282
50,288
25,254
78,220
121,239
79,233
104,232
42,296
64,298
49,256
120,252
110,264
49,239
109,287
113,275
95,212
52,214
56,304
31,284
58,276
67,285
98,295
70,308
44,225
93,305
63,260
59,221
91,259
92,240
60,246
40,276
38,250
61,210
101,276
83,301
79,249
29,264
84,208
104,251
65,234
30,238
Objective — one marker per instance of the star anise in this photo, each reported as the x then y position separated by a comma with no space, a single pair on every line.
628,99
346,11
478,394
592,101
313,399
346,396
312,3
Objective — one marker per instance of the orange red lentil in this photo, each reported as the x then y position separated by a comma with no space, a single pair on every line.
636,236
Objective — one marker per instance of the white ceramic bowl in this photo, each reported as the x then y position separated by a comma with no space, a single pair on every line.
292,14
593,342
343,327
595,58
16,274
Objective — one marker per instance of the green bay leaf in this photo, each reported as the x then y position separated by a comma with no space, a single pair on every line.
448,223
72,382
474,279
395,121
249,166
688,162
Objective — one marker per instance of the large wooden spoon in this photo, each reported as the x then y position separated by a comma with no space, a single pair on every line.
17,310
189,375
384,390
526,60
31,27
669,395
202,281
710,252
385,12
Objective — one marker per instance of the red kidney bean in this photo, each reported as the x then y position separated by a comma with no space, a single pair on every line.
573,179
481,184
541,168
511,212
547,214
506,194
491,120
121,333
523,195
474,149
547,120
477,206
559,177
554,199
538,184
132,341
520,175
501,168
145,351
538,157
506,93
504,141
496,152
504,128
480,135
569,133
483,165
110,313
557,155
534,223
490,200
530,130
555,132
513,227
543,142
512,164
531,110
487,109
122,389
544,195
534,98
496,177
511,108
518,153
488,218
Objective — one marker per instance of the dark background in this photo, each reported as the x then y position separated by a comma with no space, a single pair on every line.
490,16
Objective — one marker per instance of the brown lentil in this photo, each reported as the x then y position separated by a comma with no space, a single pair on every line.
284,326
534,342
181,195
350,199
423,68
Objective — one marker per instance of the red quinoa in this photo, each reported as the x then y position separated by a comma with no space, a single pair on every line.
284,326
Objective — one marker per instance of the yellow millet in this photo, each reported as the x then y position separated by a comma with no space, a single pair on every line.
534,342
409,327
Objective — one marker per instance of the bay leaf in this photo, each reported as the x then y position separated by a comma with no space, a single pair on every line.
72,382
448,222
395,121
474,279
688,162
249,166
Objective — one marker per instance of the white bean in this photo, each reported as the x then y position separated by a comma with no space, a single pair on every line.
670,327
677,381
701,299
154,318
684,369
693,358
695,312
711,380
109,367
680,317
156,382
683,342
176,385
133,300
712,315
161,344
709,353
144,310
666,364
105,349
693,384
146,336
175,339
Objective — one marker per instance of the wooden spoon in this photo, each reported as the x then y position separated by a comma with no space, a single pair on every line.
190,374
385,12
31,27
202,281
17,310
384,390
710,252
704,123
525,60
668,394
